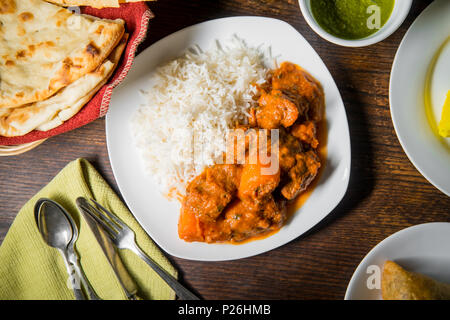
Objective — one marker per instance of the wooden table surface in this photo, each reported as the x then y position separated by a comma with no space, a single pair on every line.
386,193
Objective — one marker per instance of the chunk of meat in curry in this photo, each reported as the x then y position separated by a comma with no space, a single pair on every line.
243,219
306,132
234,202
303,90
306,167
211,191
275,109
293,94
288,147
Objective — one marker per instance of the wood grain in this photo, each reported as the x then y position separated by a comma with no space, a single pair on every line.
386,193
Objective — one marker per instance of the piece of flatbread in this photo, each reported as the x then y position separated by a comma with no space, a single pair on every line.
50,113
44,47
91,3
70,111
400,284
94,3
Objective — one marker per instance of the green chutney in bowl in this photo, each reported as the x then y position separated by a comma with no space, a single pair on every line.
352,19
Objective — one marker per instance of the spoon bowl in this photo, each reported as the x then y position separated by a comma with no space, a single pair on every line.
55,227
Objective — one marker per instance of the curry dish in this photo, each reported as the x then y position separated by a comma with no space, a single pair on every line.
235,202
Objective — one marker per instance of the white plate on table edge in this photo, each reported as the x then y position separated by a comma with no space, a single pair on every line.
424,248
157,215
425,150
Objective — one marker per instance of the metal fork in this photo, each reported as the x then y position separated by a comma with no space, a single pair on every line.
124,238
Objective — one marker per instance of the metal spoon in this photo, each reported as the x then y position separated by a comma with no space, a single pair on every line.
60,232
73,257
57,232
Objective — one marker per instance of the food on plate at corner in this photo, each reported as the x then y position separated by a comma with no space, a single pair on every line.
51,63
233,202
94,3
400,284
352,19
444,124
194,102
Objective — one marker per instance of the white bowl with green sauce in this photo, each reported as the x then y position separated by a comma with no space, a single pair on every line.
355,23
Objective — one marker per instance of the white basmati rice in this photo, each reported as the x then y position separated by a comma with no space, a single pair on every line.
192,103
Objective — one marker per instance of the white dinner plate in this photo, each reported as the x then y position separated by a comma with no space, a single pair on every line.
157,215
424,248
417,54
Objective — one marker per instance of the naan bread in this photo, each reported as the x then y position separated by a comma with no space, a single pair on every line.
70,111
91,3
94,3
50,113
44,48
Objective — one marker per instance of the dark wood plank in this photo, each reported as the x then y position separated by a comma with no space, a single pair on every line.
386,193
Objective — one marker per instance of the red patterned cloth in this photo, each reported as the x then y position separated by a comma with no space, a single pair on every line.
136,16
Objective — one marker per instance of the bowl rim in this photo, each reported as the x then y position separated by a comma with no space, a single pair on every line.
385,31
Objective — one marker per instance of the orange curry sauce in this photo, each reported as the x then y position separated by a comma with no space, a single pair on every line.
236,203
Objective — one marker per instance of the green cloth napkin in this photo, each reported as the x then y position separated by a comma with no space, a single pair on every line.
30,269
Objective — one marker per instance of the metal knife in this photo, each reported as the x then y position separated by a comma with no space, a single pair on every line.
110,252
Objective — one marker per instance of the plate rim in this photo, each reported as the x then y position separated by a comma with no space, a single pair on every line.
347,153
400,136
389,238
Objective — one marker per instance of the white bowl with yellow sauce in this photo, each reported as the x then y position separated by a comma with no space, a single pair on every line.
419,84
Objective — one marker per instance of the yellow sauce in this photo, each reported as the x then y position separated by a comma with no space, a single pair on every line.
427,95
444,124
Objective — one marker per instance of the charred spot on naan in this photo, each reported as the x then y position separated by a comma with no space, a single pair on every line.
99,29
21,31
92,50
7,6
41,45
64,77
21,54
31,49
26,16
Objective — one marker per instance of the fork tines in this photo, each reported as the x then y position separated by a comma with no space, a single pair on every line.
110,222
